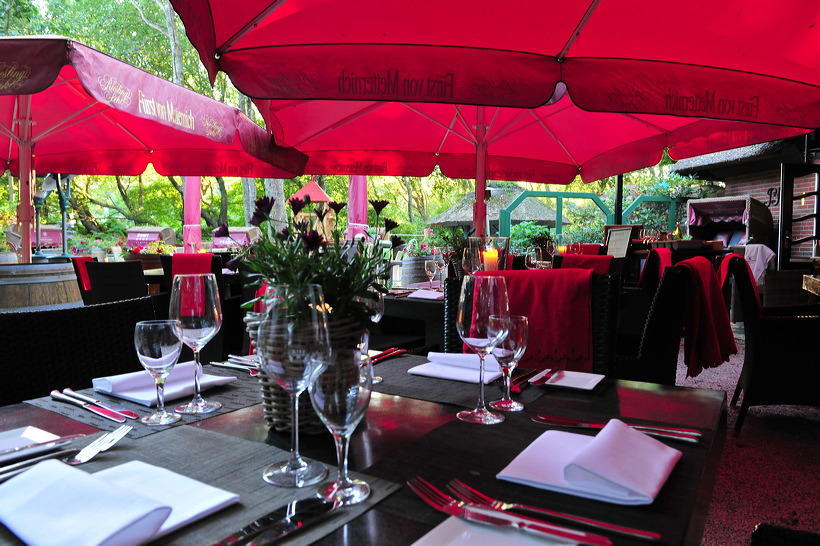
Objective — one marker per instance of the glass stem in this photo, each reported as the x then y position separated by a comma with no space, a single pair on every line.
481,406
295,459
342,445
160,381
197,376
507,371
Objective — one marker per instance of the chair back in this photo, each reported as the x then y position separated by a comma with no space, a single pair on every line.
602,265
191,266
83,282
115,281
61,348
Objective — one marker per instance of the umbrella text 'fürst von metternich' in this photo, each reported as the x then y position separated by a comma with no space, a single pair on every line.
391,84
708,103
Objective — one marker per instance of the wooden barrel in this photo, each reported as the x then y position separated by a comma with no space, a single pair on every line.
32,287
412,270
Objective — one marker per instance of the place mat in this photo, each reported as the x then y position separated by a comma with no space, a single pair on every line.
243,392
397,382
231,464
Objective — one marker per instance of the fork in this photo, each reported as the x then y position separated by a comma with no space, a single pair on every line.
518,382
447,504
473,496
103,443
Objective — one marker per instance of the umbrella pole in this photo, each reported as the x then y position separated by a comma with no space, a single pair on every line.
480,205
25,152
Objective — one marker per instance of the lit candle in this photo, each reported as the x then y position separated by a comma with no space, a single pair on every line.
562,249
490,259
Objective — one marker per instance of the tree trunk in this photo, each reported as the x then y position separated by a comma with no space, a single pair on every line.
275,188
409,187
248,198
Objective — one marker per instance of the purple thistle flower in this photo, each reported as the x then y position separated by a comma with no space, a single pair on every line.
312,240
396,241
222,231
258,217
390,225
233,264
284,234
379,205
321,212
296,205
302,225
337,207
265,205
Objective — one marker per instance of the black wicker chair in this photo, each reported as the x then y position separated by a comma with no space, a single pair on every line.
780,364
55,349
604,320
115,281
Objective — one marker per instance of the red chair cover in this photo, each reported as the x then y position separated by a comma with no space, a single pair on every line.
558,304
193,263
80,262
656,263
723,275
708,338
600,264
590,249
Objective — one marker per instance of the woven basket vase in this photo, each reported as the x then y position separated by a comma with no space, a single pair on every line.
344,334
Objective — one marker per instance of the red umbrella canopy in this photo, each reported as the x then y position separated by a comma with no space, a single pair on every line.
744,60
80,111
550,144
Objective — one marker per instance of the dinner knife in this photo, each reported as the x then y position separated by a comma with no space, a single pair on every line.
281,522
602,424
390,353
231,366
125,413
596,426
545,377
9,471
56,442
102,412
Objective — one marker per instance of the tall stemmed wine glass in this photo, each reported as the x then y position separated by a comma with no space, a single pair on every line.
195,304
340,393
430,268
158,346
483,323
438,258
292,341
508,353
471,260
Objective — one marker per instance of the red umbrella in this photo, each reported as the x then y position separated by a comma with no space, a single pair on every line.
65,107
749,61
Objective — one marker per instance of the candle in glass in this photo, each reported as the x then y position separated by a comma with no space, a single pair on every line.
490,259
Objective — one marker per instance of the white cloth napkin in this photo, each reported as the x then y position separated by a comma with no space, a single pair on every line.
426,295
620,465
139,387
457,367
56,504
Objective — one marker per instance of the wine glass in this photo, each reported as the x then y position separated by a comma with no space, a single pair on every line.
508,353
533,259
430,269
377,306
195,304
340,393
438,259
471,260
292,338
158,346
482,323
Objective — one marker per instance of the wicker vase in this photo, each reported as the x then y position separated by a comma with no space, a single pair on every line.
345,335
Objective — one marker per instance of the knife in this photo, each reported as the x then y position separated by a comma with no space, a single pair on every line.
545,377
125,413
544,420
108,414
390,353
281,522
12,470
601,424
231,366
56,442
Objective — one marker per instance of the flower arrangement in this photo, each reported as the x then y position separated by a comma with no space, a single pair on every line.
156,247
85,244
413,249
349,272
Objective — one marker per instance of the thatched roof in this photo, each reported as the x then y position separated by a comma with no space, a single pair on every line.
755,158
530,210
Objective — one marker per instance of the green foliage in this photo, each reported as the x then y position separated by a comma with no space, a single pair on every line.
525,234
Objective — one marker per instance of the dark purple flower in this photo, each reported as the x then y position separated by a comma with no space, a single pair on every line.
321,212
396,241
390,225
258,217
233,264
284,234
312,240
379,205
337,207
222,231
296,205
265,205
301,226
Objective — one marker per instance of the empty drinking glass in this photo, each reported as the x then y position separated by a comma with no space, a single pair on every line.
158,346
508,353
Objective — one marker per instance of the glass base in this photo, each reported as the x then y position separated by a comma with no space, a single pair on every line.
285,475
198,407
352,492
506,405
480,416
377,379
161,418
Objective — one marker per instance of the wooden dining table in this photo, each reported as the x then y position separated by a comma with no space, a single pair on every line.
409,430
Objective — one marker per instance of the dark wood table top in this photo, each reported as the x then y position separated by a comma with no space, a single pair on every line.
402,437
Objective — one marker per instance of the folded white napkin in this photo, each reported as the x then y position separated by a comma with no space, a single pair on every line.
424,284
458,367
426,295
139,387
56,504
619,465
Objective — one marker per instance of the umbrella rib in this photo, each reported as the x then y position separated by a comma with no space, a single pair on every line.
448,128
543,123
577,32
224,48
341,123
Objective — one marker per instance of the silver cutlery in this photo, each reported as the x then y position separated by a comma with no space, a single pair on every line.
522,380
9,471
243,360
649,431
281,522
545,377
468,494
602,424
488,516
55,443
108,414
231,366
91,400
